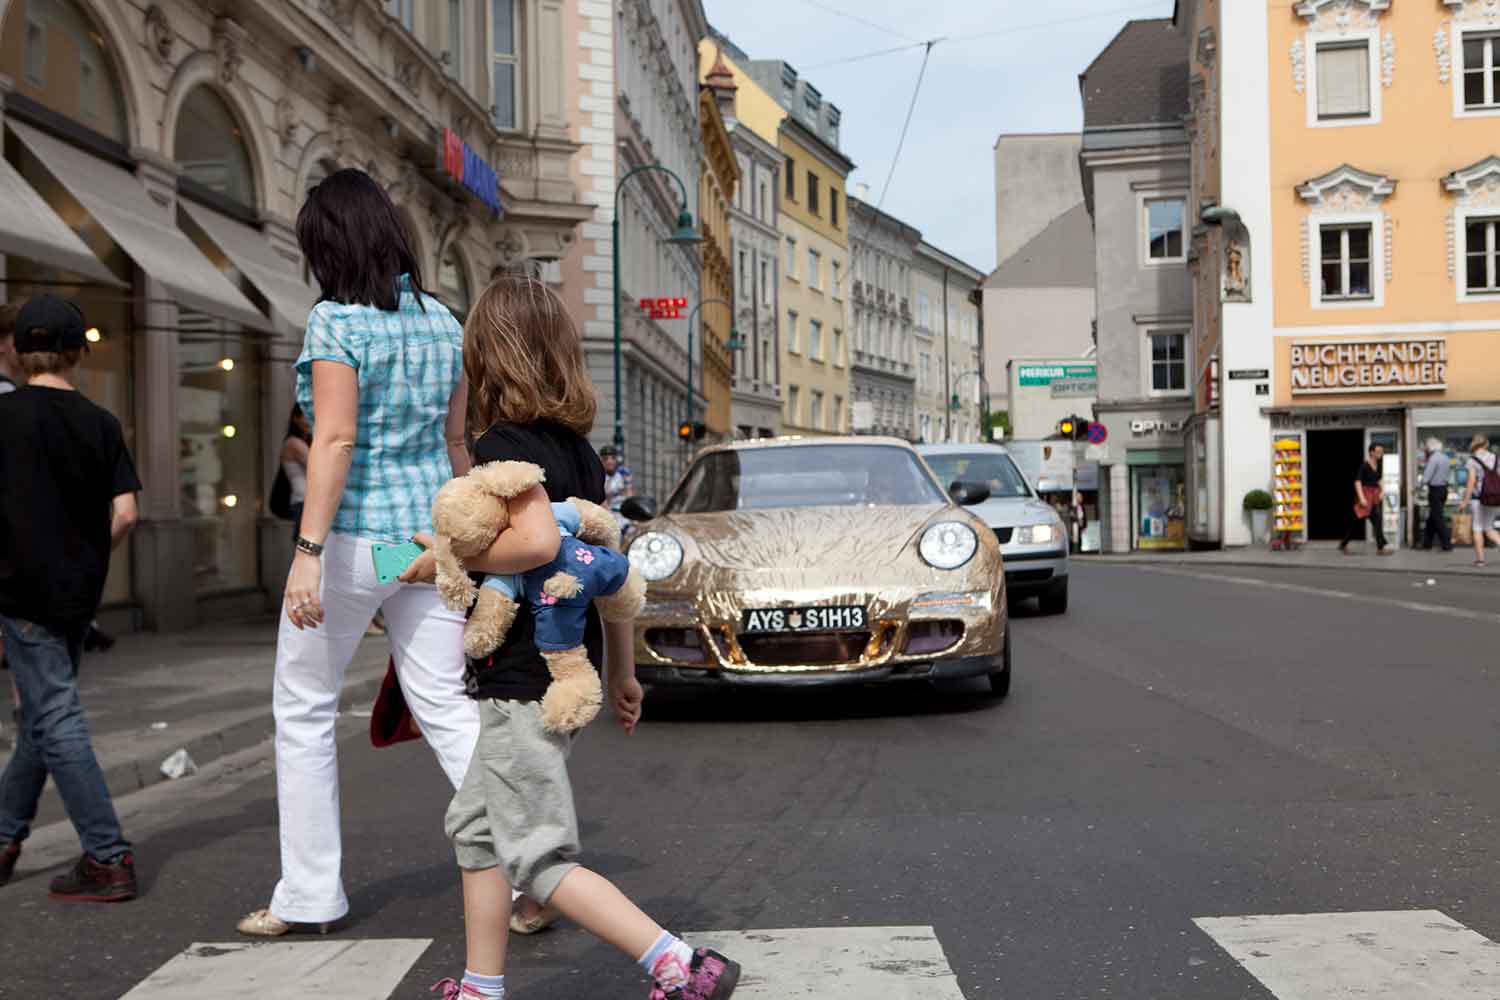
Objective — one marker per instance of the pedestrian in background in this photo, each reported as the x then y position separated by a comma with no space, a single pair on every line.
10,364
294,449
1368,493
1435,477
56,535
513,821
381,377
619,485
1483,492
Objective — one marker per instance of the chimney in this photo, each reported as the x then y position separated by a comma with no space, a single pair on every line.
721,81
862,192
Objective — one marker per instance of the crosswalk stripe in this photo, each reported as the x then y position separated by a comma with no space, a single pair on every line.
1381,955
837,963
284,970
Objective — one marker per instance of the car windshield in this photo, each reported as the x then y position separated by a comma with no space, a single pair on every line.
992,468
804,476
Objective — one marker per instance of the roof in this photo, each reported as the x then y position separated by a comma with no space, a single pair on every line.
1060,256
1141,77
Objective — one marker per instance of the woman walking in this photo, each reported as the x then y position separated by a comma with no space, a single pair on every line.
1483,492
381,377
1368,492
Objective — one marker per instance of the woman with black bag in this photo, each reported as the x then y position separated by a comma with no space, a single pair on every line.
290,488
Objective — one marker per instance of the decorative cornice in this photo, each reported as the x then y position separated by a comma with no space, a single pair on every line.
1475,11
160,38
1484,175
1340,9
1346,188
229,40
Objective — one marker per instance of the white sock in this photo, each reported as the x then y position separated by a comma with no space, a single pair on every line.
489,987
668,961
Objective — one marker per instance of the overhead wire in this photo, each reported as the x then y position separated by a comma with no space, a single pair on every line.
858,18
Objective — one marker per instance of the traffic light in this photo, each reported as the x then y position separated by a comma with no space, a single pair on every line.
1074,428
690,430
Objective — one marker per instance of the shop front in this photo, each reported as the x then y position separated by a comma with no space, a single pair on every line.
1454,427
1144,502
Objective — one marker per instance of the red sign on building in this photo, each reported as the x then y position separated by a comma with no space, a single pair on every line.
664,308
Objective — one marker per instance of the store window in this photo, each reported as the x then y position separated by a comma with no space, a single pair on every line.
503,33
211,149
57,57
1160,496
453,282
815,418
793,404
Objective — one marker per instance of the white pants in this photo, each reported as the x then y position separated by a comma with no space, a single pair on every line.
427,641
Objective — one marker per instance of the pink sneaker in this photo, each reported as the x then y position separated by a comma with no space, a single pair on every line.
712,977
452,989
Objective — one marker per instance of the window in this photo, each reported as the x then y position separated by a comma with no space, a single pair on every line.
791,258
1164,230
837,279
1168,363
791,179
838,347
924,371
1482,256
793,399
455,52
744,275
1346,261
838,413
815,339
210,148
814,270
88,89
403,11
815,408
36,53
503,68
1481,72
763,207
812,192
1343,80
833,206
765,282
791,331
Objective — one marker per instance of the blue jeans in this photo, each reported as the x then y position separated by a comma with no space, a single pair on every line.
53,738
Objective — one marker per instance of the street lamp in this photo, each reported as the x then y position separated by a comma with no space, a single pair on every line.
686,234
954,404
702,364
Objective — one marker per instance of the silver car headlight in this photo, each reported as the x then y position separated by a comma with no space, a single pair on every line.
656,554
948,544
1039,534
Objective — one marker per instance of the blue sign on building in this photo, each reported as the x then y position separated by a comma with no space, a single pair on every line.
469,169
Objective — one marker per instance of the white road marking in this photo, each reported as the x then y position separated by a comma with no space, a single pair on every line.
1487,617
284,970
1399,955
837,963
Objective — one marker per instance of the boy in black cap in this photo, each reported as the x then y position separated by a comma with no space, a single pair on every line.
56,534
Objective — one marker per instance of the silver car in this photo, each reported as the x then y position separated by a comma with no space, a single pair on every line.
1033,538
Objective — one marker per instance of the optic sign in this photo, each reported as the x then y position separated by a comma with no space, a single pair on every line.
664,308
465,166
1386,365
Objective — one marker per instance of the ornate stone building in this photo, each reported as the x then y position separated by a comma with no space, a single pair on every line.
718,184
881,378
157,154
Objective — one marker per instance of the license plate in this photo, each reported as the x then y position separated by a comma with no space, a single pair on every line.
820,619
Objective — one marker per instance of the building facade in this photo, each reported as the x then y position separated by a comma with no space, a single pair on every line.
656,126
1039,300
156,158
1135,182
949,347
755,411
881,379
1346,164
719,180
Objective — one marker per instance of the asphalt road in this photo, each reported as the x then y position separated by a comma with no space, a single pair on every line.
1181,745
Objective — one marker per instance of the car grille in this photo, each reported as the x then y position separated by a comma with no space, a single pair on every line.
1028,576
804,650
1003,534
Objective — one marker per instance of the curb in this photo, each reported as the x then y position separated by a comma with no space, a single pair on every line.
1210,561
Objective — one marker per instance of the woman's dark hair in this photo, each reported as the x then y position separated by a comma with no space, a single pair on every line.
354,242
294,429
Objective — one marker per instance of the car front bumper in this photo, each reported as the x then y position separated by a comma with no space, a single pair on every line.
952,668
1028,573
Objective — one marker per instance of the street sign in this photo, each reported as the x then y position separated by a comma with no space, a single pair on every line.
1248,374
1098,433
1096,453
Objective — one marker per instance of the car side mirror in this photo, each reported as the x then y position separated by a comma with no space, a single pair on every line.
639,508
968,494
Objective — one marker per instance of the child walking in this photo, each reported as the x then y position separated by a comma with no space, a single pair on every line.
512,822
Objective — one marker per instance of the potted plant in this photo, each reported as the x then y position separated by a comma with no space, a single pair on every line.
1258,504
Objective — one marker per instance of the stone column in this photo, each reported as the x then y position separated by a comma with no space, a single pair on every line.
163,542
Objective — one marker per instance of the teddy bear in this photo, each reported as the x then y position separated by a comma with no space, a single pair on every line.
467,516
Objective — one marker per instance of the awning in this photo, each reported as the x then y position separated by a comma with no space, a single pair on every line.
119,203
29,228
250,251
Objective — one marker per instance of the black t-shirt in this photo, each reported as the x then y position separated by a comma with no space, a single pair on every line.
516,671
62,461
1367,475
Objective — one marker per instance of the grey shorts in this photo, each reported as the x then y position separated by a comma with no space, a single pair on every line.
515,807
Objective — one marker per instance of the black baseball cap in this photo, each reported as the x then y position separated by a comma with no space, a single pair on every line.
48,323
609,451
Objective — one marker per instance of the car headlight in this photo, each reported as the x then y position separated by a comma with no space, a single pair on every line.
1039,534
656,554
948,544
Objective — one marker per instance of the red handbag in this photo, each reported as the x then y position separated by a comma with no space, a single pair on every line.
390,719
1372,500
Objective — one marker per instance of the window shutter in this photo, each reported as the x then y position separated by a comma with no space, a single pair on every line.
1343,80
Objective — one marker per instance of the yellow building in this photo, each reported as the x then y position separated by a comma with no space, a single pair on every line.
1347,161
718,176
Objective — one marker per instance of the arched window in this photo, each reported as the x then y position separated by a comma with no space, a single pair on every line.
57,58
453,281
211,147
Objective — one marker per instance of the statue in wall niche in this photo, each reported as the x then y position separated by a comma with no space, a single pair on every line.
1234,270
1236,280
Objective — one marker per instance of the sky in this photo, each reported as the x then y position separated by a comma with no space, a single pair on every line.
1022,76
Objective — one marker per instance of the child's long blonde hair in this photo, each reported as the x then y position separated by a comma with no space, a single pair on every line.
524,360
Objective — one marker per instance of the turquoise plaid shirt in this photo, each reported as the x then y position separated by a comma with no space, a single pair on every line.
408,363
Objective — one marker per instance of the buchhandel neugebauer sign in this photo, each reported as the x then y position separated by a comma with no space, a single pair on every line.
1388,365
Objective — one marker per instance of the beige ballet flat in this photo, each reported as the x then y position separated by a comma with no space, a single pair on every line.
544,918
263,923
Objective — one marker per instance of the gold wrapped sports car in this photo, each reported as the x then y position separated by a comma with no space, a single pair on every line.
817,561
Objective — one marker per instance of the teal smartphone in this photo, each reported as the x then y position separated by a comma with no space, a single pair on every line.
391,560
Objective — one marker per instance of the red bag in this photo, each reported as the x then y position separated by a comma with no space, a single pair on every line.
390,720
1372,500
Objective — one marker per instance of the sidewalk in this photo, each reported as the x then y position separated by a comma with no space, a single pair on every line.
207,691
1324,556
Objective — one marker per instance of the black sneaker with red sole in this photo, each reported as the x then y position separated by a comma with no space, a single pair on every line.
92,881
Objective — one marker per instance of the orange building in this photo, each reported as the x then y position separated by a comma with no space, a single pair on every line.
718,176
